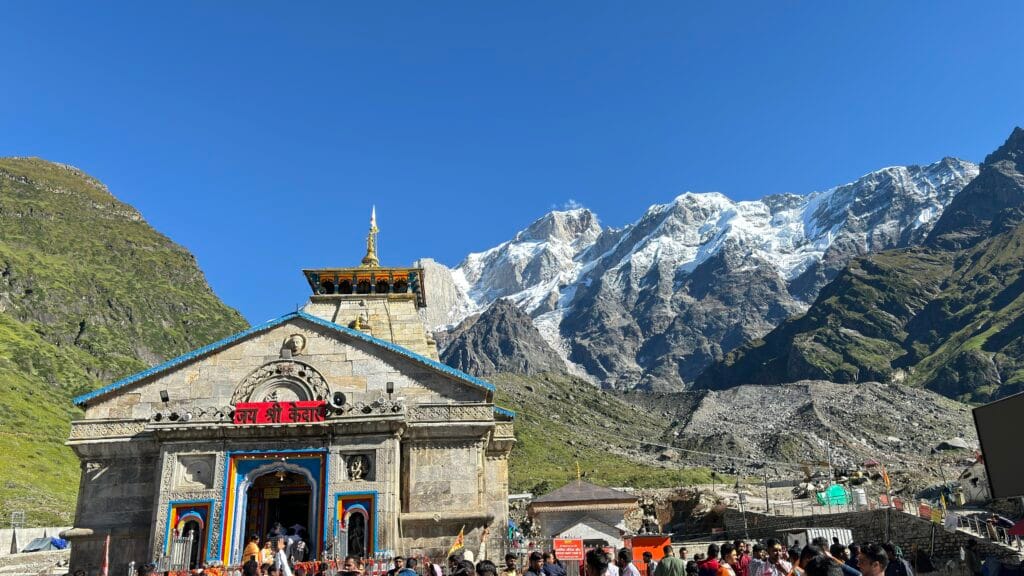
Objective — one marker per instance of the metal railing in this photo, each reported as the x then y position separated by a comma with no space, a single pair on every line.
989,531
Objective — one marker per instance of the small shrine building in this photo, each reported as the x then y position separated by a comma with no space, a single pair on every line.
338,418
585,511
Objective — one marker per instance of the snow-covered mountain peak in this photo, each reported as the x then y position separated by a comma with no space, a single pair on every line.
574,227
727,270
531,267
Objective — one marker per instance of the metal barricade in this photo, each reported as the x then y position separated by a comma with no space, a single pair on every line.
180,556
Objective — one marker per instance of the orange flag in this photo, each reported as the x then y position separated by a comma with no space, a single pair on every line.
460,541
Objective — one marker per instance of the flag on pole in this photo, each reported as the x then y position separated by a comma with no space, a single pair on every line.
105,567
460,541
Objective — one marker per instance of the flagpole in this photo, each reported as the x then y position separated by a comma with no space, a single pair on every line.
105,568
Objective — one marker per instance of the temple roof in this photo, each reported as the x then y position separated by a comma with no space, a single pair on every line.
220,344
580,491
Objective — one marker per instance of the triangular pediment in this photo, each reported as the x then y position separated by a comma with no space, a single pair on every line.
347,359
580,491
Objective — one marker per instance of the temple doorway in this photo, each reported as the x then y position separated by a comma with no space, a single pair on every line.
194,527
357,512
357,534
279,500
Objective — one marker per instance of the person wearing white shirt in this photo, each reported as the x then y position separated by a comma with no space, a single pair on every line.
626,566
281,558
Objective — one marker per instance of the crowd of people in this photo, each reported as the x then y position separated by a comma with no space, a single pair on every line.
284,554
770,558
282,551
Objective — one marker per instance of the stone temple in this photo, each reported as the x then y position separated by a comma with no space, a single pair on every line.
338,418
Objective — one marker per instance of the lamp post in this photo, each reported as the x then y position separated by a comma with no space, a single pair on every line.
743,500
767,506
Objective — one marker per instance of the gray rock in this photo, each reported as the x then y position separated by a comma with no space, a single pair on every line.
502,339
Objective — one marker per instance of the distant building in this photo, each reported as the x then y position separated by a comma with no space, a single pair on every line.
583,510
337,419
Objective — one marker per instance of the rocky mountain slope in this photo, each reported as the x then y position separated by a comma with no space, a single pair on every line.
501,339
947,315
562,421
642,439
88,293
803,421
652,304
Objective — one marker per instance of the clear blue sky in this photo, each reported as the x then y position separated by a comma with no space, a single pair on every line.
258,134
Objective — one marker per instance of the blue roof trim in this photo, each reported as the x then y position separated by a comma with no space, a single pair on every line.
79,400
443,368
505,412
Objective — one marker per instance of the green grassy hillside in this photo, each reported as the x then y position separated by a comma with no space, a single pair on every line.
949,321
948,316
561,420
88,293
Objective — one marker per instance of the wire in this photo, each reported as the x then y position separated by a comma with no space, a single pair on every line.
712,454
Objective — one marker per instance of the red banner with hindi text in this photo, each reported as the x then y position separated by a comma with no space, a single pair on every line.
280,412
568,548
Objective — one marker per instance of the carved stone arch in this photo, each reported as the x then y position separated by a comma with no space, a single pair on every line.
282,380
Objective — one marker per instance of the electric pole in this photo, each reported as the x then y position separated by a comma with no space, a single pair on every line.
767,507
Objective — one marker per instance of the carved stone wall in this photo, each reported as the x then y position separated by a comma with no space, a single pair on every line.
175,486
442,431
195,472
382,451
106,429
451,413
283,380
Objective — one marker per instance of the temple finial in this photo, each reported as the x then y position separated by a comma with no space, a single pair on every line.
370,260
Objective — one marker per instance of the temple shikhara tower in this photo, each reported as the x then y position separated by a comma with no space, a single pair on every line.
338,419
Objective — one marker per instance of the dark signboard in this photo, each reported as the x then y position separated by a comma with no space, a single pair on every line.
1000,428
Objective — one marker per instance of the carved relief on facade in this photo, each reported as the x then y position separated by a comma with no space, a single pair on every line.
293,345
195,471
450,413
359,467
284,380
174,465
115,429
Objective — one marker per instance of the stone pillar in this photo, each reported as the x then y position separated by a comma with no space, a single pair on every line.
381,481
115,498
190,472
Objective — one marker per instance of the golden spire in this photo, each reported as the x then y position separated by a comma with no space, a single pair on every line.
370,260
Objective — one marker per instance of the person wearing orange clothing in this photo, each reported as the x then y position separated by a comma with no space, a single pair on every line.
727,566
252,550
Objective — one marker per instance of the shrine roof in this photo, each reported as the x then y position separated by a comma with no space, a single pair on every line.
220,344
579,491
